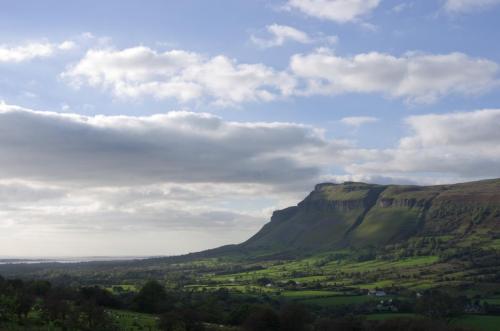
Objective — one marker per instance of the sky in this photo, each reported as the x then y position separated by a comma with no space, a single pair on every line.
152,128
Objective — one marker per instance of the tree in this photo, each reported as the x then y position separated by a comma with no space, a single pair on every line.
25,302
100,296
171,321
341,324
95,318
439,305
152,298
7,308
181,320
262,319
294,317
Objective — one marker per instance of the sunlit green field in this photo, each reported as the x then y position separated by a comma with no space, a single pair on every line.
308,294
338,272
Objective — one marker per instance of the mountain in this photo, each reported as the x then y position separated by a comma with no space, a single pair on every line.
357,215
445,235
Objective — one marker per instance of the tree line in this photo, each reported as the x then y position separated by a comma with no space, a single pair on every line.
35,304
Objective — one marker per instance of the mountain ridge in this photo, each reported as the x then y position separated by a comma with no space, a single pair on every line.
356,214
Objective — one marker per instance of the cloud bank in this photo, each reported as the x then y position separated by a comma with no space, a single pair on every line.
172,147
141,71
186,76
463,145
415,77
66,177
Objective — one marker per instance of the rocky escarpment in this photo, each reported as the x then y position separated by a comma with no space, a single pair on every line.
322,220
406,203
342,197
360,214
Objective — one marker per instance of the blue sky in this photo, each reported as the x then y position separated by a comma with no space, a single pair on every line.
276,96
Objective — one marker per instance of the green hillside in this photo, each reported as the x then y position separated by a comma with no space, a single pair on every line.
336,216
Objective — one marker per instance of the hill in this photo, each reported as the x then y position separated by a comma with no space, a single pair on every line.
357,215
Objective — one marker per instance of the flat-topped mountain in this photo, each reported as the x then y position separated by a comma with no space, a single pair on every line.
359,215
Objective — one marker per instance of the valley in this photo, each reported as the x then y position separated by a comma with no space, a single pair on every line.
352,248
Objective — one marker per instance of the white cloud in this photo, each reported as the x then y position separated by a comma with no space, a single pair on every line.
173,147
465,6
33,50
141,71
402,7
280,34
340,11
65,107
25,192
67,45
357,121
186,76
419,78
331,39
72,180
462,145
164,219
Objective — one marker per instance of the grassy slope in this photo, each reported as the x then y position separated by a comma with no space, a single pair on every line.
381,225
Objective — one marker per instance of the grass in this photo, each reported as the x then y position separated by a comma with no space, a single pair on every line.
339,192
308,294
124,320
131,321
382,224
383,317
310,279
385,265
11,326
494,244
338,300
322,269
480,322
378,284
123,287
492,301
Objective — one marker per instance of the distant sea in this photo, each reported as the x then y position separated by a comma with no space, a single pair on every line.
32,260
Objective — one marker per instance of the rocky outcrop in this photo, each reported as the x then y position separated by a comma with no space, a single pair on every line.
406,203
339,205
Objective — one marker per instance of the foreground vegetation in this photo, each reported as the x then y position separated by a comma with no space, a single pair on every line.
40,305
353,289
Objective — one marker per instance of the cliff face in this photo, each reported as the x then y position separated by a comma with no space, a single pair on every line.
359,214
321,221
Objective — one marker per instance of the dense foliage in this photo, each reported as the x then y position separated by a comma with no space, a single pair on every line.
35,304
